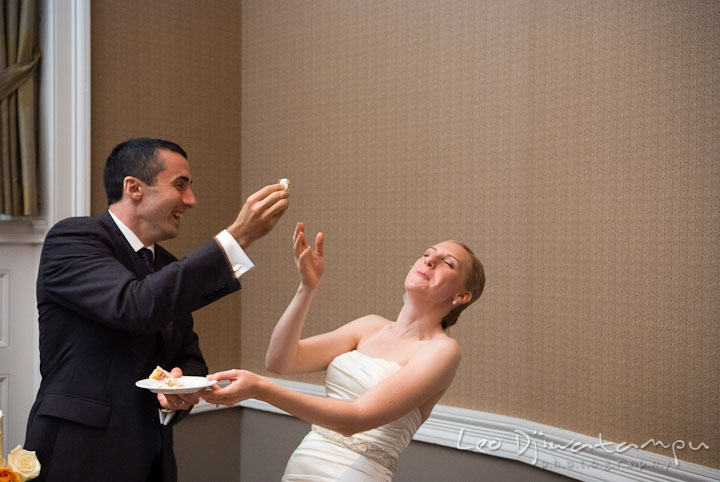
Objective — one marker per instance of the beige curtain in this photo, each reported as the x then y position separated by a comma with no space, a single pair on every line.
19,55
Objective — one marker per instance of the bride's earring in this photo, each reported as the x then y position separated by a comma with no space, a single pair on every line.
454,302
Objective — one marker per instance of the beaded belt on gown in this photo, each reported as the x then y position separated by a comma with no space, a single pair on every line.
366,448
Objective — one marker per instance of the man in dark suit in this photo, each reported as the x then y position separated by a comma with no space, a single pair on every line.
110,311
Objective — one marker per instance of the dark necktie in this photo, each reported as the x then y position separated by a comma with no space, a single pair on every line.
147,257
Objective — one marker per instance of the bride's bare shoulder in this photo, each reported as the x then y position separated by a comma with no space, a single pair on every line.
445,345
370,324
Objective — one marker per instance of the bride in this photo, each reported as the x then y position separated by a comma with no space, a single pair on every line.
383,377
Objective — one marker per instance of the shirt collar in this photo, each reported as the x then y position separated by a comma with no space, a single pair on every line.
131,237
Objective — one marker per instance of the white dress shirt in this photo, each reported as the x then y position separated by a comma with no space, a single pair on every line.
239,261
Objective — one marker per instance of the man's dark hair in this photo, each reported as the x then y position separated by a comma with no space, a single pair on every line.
137,158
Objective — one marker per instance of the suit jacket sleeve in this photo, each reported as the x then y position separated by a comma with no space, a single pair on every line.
81,269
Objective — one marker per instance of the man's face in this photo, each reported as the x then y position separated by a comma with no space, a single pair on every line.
164,204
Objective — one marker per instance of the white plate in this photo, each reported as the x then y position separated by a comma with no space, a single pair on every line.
189,385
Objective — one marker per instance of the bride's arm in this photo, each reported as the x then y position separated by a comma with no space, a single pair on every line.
283,351
422,379
286,352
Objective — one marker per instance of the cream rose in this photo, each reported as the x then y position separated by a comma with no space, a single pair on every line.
24,463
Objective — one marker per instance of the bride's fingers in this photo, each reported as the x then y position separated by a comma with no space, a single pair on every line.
319,244
212,396
300,245
298,228
224,375
231,394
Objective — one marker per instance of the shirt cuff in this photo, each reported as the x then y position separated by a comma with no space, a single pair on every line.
239,261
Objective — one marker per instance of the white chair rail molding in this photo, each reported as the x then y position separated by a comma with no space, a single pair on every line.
579,456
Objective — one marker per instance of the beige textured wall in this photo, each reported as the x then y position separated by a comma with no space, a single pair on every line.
172,70
572,144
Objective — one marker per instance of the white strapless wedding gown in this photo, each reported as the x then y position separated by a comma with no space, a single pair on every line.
369,456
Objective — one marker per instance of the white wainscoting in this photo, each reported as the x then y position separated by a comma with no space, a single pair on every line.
568,453
64,173
4,310
18,335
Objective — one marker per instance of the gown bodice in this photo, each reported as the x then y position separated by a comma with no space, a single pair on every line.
324,455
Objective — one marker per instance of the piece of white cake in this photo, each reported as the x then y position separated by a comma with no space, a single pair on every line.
285,184
164,379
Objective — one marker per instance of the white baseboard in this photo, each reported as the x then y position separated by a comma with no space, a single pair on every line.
574,455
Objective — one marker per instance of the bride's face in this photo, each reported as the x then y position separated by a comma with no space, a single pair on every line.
440,273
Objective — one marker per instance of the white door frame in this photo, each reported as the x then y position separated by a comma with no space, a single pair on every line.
65,108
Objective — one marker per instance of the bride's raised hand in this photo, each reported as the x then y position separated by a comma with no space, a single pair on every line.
310,263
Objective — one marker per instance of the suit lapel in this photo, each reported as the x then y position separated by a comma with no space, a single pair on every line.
162,259
124,252
129,258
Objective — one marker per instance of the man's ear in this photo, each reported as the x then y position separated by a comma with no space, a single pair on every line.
133,188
